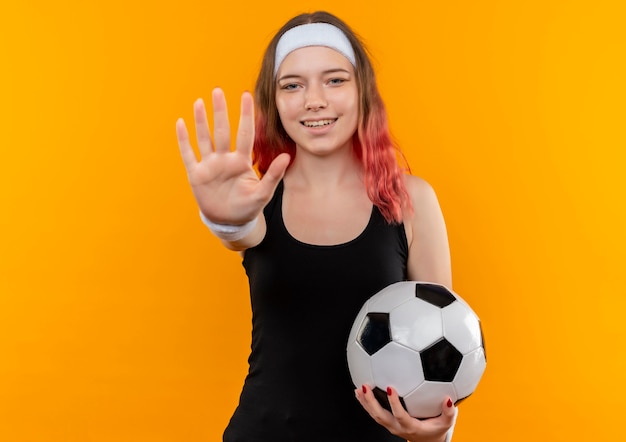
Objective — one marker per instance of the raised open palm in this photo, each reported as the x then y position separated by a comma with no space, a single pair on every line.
224,183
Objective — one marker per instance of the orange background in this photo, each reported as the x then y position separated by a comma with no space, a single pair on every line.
123,319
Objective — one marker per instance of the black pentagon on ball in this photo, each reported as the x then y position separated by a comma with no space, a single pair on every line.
441,361
375,332
434,294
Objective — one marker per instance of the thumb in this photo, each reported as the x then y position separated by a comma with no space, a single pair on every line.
449,410
448,416
274,174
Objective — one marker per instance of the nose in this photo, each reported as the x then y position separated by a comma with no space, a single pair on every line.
315,98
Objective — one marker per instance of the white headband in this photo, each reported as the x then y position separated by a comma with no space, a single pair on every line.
313,34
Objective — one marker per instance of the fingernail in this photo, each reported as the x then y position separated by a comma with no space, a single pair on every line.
388,391
364,388
449,403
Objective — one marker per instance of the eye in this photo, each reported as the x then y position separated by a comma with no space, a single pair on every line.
336,81
290,86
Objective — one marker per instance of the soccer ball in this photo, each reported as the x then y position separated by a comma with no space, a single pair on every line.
421,339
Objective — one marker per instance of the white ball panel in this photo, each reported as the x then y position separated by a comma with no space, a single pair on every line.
427,399
461,327
463,301
469,373
391,296
359,365
416,334
398,367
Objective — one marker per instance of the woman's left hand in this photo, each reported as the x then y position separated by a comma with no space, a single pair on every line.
401,424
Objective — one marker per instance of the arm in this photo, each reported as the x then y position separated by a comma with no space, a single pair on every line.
226,186
429,261
429,252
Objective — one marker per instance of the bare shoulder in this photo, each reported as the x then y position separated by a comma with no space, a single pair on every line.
421,193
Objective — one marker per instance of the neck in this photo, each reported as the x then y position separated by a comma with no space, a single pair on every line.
324,173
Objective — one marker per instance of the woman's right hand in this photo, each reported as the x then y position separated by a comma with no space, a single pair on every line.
224,183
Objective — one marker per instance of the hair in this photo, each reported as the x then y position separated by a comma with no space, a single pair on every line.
372,143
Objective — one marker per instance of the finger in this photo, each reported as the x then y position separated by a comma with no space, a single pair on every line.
202,128
447,418
272,177
245,132
399,412
360,394
220,122
394,402
448,411
373,407
186,151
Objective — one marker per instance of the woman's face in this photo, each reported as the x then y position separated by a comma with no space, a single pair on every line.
317,99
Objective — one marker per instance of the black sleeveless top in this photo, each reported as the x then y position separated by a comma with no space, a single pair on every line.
304,300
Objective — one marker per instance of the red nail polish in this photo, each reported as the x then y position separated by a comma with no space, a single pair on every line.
388,391
364,388
449,403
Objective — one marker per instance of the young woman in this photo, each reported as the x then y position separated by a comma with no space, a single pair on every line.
332,220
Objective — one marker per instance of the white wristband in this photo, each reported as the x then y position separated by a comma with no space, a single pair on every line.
228,232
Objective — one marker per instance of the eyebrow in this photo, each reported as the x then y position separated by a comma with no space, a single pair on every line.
326,72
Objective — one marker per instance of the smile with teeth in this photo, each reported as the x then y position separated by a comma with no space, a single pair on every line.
318,123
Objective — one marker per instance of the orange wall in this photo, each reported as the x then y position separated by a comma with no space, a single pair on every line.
122,319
